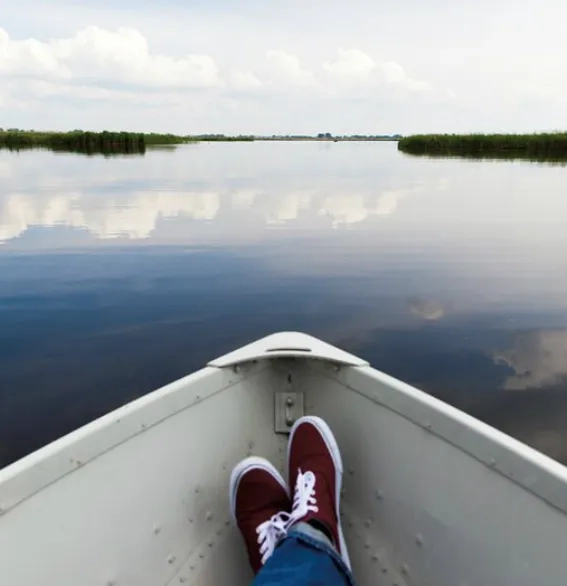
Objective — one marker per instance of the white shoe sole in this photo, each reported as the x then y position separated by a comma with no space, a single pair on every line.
333,448
252,463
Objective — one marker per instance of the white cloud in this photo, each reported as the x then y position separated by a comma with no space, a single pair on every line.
99,56
97,65
427,309
289,207
244,198
351,208
134,217
287,67
354,68
244,80
30,57
447,69
394,75
350,63
537,358
82,92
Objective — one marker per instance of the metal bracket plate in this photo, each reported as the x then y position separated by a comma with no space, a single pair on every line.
288,409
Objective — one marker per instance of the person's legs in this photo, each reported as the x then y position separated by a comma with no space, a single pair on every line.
304,558
300,543
260,505
315,470
314,551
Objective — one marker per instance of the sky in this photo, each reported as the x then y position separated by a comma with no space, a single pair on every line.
284,66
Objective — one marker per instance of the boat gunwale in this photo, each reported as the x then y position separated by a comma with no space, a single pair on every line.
525,466
22,479
535,472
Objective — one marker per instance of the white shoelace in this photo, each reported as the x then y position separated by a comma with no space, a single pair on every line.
304,500
272,531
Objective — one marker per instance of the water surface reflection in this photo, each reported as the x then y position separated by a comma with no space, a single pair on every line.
118,275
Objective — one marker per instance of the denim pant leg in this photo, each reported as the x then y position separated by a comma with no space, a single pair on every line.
304,558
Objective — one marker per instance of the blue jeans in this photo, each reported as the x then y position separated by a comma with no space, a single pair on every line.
304,558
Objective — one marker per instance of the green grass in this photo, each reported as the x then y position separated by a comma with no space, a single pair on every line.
86,142
544,146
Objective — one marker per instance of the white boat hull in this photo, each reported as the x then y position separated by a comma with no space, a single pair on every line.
139,497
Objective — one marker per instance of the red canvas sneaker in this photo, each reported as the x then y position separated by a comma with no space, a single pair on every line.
260,506
315,474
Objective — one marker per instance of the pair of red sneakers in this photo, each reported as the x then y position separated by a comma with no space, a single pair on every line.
261,503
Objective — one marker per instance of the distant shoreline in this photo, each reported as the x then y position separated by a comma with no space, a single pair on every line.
537,147
327,137
332,139
79,141
110,142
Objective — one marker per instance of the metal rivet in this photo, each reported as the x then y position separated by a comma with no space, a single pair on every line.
384,570
182,579
492,462
250,444
367,523
349,523
351,471
236,368
219,531
191,567
375,557
227,522
419,539
337,367
405,570
428,425
190,519
157,529
170,559
367,545
197,398
208,516
379,494
289,421
343,491
197,489
201,555
289,401
211,543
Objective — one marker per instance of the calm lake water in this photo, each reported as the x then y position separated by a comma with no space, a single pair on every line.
118,275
